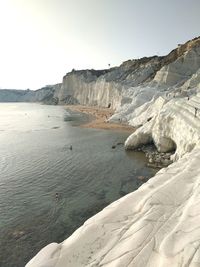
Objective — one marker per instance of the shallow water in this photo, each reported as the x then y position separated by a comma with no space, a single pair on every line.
36,163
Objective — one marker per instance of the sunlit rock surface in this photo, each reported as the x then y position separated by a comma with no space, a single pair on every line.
126,87
181,69
134,82
157,225
108,88
173,126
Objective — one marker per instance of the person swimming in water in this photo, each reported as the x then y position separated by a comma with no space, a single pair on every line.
195,111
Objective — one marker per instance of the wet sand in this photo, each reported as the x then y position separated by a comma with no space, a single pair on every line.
99,117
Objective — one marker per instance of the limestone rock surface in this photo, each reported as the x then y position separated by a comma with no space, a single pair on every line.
174,127
157,225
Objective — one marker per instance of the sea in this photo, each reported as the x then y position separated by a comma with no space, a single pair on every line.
54,175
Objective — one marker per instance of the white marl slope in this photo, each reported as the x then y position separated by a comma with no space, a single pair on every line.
179,77
157,225
174,126
181,69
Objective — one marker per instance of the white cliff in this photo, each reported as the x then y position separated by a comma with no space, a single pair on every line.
181,69
108,88
193,82
182,63
157,225
126,87
134,82
83,87
173,126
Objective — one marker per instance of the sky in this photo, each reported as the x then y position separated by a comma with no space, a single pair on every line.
42,40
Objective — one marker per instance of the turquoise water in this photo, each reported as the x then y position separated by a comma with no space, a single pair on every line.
36,163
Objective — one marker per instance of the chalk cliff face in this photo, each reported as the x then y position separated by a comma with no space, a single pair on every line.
107,87
181,69
134,82
170,118
171,125
126,87
88,88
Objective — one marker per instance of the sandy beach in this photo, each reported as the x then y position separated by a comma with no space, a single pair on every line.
99,117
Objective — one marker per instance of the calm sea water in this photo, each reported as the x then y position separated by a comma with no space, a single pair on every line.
36,163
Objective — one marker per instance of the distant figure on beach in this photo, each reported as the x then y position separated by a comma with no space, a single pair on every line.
70,147
56,196
106,118
188,97
195,112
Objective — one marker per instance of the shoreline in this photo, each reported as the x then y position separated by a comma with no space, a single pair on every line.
99,117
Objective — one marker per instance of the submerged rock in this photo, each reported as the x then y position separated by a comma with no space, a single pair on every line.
155,158
141,178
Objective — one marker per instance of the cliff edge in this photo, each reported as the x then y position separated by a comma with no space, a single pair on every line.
158,224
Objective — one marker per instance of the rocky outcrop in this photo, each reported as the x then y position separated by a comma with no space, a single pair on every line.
86,88
180,70
176,126
47,95
107,87
134,82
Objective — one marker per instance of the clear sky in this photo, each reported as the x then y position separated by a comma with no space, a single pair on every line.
41,40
